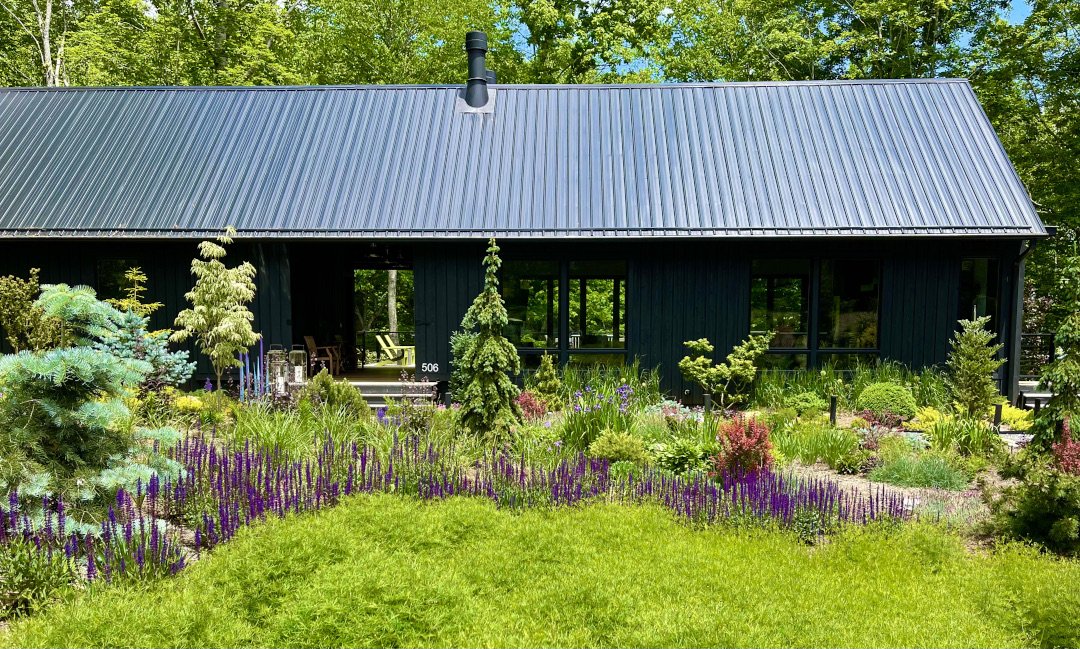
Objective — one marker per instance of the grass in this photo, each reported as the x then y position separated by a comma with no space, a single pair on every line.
774,388
921,471
385,571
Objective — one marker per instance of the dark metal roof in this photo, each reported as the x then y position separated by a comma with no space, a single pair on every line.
871,158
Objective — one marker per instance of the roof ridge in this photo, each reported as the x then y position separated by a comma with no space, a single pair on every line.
508,86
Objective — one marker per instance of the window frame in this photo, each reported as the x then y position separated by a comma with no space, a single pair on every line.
813,350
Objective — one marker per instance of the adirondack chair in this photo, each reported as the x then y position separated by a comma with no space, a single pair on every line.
400,354
326,353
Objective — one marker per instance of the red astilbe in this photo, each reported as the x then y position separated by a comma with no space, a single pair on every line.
534,409
1067,452
744,446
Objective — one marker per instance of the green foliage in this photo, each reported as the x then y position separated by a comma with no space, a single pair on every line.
807,401
590,413
335,395
296,431
1044,507
965,436
887,396
62,407
488,395
972,363
410,574
133,299
727,382
132,342
1015,418
924,419
547,386
773,387
921,471
219,318
619,447
29,579
810,442
683,454
1062,377
24,322
859,423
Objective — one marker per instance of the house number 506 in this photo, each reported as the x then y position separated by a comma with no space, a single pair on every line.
429,367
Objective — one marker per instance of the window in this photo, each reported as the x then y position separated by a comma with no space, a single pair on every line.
111,282
584,300
848,309
597,305
780,301
979,290
531,292
821,311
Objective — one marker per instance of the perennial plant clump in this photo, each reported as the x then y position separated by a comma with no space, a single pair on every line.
591,413
744,445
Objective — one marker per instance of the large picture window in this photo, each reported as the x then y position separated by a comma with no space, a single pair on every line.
531,292
575,309
821,311
780,301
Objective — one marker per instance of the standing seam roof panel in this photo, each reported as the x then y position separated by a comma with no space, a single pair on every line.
813,158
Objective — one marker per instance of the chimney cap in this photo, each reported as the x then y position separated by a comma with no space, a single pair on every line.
476,41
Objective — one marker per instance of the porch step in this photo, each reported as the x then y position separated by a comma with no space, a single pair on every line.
377,392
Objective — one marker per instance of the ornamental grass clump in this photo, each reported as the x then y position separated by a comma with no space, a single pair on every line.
590,412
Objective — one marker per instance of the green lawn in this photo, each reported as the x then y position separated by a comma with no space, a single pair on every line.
385,571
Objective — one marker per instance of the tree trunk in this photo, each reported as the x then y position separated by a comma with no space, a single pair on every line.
391,304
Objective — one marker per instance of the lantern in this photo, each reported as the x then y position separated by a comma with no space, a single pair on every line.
277,365
298,364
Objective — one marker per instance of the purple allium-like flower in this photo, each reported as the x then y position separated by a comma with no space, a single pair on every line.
208,386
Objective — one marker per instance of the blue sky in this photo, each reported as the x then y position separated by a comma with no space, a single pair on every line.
1018,11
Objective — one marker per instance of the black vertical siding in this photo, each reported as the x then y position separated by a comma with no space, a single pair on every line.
918,311
675,296
447,278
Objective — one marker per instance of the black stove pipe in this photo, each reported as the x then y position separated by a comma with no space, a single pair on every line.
476,92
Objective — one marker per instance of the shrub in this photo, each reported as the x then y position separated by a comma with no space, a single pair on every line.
972,363
1067,452
744,446
883,418
548,388
924,419
727,382
682,455
806,401
619,447
925,471
131,341
880,398
1015,418
532,407
1043,507
23,321
859,423
335,395
485,358
966,436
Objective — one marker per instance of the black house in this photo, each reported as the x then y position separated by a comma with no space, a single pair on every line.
860,220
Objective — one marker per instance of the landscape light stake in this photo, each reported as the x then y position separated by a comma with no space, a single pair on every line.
997,415
832,409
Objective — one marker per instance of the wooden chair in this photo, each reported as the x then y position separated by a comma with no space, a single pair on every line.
401,354
328,353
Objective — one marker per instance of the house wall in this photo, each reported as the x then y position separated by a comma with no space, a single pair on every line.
677,290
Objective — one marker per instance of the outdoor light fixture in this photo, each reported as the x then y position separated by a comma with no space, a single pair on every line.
298,363
277,365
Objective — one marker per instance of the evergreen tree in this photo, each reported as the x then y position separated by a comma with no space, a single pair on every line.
487,399
60,407
25,323
1061,378
548,386
219,318
971,364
